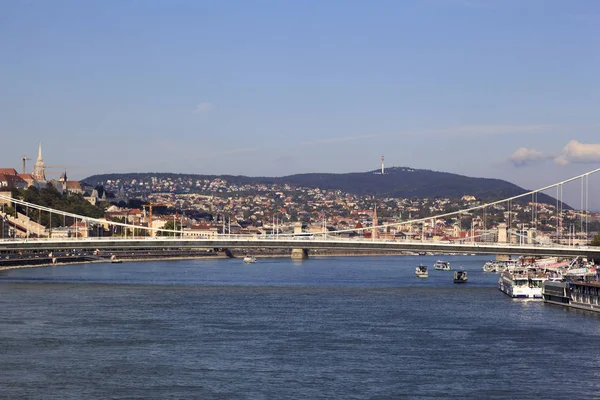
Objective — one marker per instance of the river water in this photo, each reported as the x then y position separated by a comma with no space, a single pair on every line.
323,328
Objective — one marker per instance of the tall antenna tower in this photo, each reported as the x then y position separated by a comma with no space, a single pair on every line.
382,166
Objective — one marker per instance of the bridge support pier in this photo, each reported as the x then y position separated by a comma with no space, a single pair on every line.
299,254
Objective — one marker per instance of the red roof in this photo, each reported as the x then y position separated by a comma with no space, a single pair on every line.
26,177
73,185
11,180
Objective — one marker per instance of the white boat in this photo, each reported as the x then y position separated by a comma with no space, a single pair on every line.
460,276
249,260
421,271
442,265
490,266
522,283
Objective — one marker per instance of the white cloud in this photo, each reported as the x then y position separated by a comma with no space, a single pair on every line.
526,156
203,108
579,153
573,153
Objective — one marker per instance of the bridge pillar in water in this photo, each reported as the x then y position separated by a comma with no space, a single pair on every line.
299,254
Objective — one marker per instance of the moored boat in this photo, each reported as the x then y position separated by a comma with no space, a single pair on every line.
522,283
490,266
581,295
249,260
460,276
442,265
421,271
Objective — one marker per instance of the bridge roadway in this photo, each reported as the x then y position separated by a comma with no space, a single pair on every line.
250,242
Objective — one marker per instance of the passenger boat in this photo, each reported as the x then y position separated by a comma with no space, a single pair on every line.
460,276
581,295
421,271
442,265
522,283
249,260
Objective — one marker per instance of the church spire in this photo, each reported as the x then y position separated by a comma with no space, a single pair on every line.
39,158
39,169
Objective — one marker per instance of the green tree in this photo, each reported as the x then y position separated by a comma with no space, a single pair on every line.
169,225
596,240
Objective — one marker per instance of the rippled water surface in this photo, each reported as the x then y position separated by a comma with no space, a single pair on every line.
325,328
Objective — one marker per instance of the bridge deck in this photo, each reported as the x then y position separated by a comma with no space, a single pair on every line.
290,243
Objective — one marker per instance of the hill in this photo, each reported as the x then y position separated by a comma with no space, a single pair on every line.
399,182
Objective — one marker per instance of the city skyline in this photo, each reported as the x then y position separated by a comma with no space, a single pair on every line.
494,89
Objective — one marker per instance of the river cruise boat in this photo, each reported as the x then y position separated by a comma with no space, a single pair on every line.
460,276
442,265
249,260
581,295
522,283
421,271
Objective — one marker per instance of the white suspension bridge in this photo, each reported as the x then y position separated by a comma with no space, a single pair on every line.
507,238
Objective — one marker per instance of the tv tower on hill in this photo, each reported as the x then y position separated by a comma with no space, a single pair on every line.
382,166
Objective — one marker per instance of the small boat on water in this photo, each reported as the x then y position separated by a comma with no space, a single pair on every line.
442,265
115,260
421,271
490,266
249,260
460,276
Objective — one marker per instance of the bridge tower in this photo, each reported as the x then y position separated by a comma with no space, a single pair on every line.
502,238
502,233
531,235
299,254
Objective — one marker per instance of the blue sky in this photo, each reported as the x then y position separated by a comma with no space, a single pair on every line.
503,89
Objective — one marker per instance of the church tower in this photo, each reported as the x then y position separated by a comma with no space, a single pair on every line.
63,181
39,169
